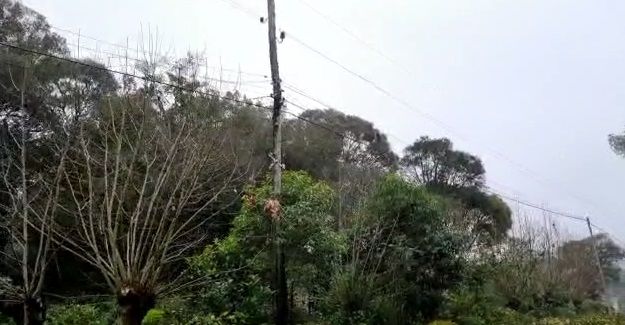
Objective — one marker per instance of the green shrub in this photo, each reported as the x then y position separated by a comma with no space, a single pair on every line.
172,310
6,320
416,258
593,307
442,322
553,321
154,317
494,316
598,319
477,304
223,319
79,315
591,319
351,300
350,292
506,316
563,311
239,266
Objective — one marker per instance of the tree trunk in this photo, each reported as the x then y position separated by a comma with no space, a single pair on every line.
35,312
30,312
131,317
133,305
282,296
291,297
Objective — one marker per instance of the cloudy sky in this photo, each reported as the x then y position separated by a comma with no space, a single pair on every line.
532,86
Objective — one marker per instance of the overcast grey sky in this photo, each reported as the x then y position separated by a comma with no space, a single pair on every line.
531,86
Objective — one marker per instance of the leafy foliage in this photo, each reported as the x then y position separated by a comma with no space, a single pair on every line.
329,150
459,176
313,248
154,317
434,162
404,253
617,141
79,315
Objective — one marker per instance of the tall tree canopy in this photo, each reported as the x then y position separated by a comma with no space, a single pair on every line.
320,151
345,150
56,93
435,164
617,141
23,26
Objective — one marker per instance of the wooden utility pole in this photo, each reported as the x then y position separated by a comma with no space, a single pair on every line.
597,259
280,287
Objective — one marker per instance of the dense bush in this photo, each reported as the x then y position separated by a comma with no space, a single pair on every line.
75,314
352,299
504,316
6,320
442,322
594,319
403,259
154,317
313,249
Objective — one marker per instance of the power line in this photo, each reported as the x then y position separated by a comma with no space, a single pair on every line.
93,38
247,83
169,63
371,83
327,128
243,9
556,213
353,35
535,206
127,48
303,94
327,106
603,230
126,74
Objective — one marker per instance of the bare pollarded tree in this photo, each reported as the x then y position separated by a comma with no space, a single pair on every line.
138,187
31,172
29,204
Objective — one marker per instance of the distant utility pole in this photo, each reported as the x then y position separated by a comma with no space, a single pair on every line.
596,253
273,206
